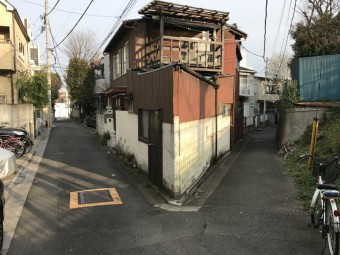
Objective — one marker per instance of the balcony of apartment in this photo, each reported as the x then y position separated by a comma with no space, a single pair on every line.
247,90
200,55
6,56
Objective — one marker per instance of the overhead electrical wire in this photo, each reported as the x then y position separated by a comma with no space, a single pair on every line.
60,10
257,55
74,25
56,58
126,10
282,54
53,8
279,28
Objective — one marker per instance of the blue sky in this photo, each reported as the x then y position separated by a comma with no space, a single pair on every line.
249,15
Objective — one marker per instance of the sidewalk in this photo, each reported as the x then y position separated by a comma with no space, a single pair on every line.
21,163
18,185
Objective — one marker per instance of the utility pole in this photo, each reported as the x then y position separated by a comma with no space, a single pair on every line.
264,95
48,65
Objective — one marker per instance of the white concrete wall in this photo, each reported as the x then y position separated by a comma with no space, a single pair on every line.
103,126
61,111
127,138
194,147
187,147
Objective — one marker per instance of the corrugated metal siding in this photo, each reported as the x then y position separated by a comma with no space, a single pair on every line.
318,77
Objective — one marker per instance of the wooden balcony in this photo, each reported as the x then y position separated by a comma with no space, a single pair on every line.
6,57
198,54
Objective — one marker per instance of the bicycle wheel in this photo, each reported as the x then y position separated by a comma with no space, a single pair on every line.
332,224
316,209
17,147
28,144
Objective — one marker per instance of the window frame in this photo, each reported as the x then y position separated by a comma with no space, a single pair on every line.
144,125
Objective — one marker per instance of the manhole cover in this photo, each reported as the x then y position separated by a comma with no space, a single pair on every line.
96,196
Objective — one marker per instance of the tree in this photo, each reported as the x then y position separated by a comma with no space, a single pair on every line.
55,86
80,81
278,67
33,89
313,9
81,45
322,37
319,32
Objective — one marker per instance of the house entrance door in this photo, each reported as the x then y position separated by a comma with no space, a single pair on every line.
155,147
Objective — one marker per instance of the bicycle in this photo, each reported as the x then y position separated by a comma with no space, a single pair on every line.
323,208
14,146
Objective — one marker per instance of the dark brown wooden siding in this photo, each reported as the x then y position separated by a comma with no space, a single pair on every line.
127,36
153,90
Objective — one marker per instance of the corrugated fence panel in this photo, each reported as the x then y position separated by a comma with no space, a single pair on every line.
318,77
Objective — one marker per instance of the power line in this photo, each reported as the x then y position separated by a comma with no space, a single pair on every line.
53,7
279,28
117,23
257,55
93,15
74,25
55,56
290,28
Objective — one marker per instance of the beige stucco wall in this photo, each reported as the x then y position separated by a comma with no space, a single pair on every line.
20,115
10,50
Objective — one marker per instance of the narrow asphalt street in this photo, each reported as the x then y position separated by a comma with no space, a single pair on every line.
246,206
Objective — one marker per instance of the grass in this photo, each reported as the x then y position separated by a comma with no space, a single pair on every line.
327,146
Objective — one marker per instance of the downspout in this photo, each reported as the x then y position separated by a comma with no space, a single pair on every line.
216,128
14,58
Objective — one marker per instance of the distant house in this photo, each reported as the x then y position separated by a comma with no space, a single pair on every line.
173,95
247,95
318,77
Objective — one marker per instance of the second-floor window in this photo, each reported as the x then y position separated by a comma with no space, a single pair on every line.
121,62
4,34
21,49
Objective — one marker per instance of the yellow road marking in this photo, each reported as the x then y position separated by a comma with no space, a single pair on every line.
75,204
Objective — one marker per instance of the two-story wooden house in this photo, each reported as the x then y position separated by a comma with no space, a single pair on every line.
174,80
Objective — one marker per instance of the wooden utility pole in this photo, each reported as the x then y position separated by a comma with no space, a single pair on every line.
48,65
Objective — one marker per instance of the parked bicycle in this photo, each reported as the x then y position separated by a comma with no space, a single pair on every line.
13,145
323,209
19,133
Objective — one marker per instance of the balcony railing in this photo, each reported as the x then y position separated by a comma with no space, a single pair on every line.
195,53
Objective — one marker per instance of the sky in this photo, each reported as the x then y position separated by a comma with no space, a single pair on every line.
101,16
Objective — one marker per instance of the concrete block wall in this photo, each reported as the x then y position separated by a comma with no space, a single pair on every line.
293,123
18,115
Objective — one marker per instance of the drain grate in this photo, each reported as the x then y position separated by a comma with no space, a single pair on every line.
96,196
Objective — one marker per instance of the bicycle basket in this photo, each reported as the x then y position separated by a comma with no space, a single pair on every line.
331,173
319,167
